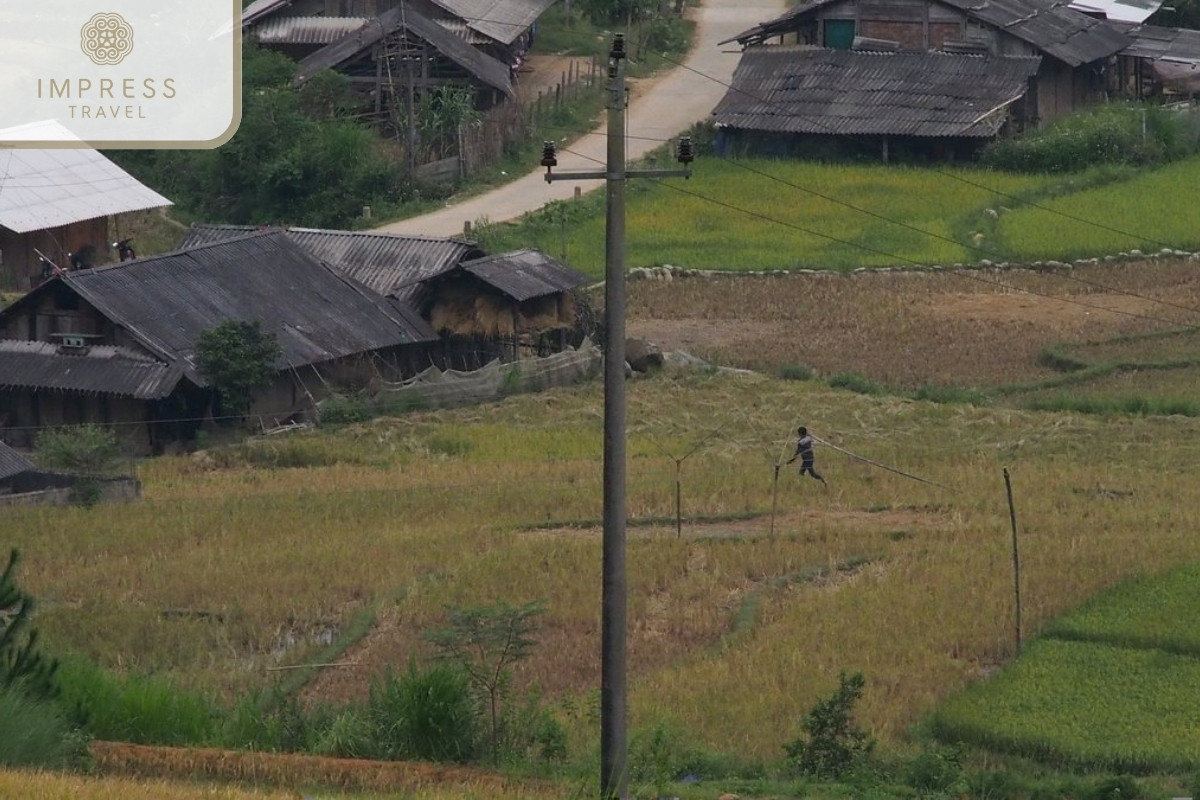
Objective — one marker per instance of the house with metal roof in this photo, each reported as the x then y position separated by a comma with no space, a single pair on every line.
954,71
483,306
396,51
117,344
61,207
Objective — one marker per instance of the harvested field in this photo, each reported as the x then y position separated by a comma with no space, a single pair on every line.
905,330
298,771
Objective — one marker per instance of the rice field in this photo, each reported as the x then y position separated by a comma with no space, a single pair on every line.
225,572
760,214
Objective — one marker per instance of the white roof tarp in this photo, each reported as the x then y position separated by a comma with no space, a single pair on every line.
42,189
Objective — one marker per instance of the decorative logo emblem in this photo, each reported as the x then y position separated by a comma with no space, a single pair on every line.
106,39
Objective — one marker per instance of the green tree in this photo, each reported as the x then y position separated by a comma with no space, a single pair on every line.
21,665
235,358
833,744
87,452
486,642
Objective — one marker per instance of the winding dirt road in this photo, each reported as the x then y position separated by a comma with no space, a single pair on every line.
672,103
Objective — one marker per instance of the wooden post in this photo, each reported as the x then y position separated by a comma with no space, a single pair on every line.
678,502
774,503
1012,516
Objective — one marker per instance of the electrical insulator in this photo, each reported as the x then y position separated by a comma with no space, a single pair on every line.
618,47
548,155
685,155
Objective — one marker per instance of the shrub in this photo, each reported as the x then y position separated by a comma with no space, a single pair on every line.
137,709
1108,134
795,372
88,452
833,745
425,714
854,383
345,411
35,733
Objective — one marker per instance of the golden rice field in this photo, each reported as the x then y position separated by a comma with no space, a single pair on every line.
492,504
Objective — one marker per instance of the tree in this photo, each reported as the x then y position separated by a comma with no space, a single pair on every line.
88,452
486,642
236,358
834,743
21,665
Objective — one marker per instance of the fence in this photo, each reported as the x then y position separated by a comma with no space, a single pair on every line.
436,388
510,123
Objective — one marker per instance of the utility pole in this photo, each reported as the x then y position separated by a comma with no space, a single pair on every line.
614,772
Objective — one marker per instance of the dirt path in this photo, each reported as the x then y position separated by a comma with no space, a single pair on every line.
658,110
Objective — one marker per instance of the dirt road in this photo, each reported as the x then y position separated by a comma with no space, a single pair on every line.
670,105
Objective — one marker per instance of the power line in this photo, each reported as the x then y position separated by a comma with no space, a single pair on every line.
1101,226
887,254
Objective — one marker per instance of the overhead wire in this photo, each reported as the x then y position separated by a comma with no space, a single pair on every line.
890,255
990,189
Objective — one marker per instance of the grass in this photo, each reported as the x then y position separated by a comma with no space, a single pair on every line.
729,217
1139,213
281,560
1086,705
758,214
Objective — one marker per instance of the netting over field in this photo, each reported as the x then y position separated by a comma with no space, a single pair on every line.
435,388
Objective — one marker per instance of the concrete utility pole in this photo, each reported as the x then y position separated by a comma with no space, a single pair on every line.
614,773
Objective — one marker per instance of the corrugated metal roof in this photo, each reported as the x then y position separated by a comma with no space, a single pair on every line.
46,188
1049,25
524,274
100,370
501,20
486,69
816,90
315,312
306,30
460,28
386,263
13,463
261,8
1178,45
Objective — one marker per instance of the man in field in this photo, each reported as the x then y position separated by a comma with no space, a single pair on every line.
804,452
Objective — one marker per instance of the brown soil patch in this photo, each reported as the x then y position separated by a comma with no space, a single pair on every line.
1044,312
905,330
541,73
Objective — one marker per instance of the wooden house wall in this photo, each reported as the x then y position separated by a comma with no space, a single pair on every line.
24,412
19,265
66,312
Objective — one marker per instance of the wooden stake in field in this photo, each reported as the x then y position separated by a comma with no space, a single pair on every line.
774,503
1012,516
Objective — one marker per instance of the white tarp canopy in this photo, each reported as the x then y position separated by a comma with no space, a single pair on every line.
1119,10
42,189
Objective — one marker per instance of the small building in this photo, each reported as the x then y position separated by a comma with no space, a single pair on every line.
484,306
117,344
502,306
785,96
61,207
1073,55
